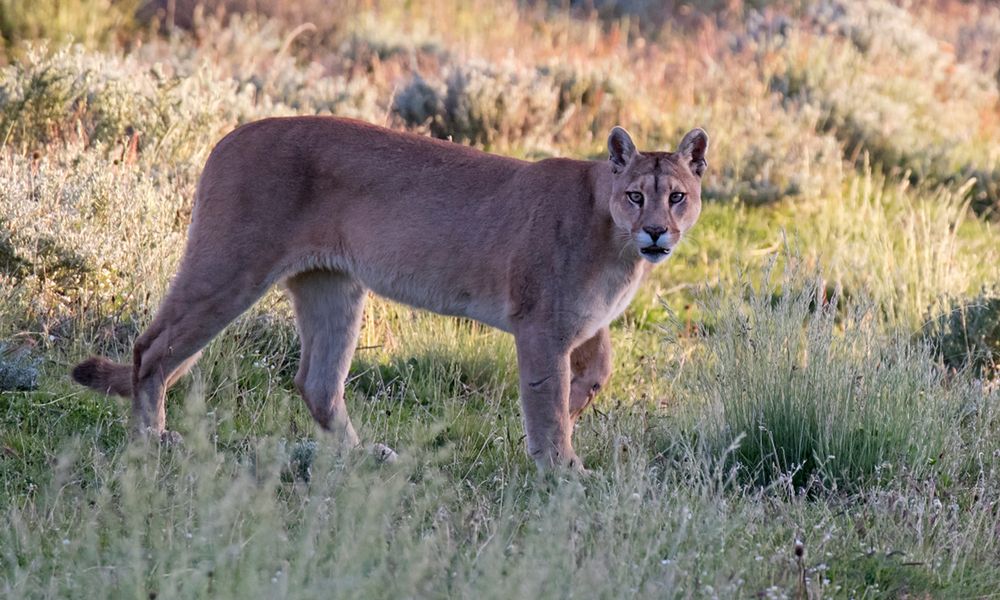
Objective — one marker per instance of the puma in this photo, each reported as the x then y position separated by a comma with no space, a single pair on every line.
550,251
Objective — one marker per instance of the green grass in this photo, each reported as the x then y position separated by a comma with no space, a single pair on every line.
804,400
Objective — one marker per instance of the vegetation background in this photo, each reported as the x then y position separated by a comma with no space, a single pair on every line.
805,400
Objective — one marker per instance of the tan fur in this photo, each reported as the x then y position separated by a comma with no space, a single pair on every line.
548,251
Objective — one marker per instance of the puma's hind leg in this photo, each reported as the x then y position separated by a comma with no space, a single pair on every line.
328,308
590,364
203,298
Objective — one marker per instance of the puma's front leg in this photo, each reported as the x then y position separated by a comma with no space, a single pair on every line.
590,363
544,369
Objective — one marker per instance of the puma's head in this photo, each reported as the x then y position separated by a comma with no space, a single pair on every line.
656,196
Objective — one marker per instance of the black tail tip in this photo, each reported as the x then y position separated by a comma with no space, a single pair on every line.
87,372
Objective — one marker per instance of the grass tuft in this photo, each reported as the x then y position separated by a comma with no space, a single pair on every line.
814,393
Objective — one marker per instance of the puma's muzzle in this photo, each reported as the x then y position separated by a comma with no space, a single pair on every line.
654,244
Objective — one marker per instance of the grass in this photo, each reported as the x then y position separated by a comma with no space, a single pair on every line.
677,505
841,404
804,402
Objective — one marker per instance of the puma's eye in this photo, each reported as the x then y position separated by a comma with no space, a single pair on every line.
677,198
635,198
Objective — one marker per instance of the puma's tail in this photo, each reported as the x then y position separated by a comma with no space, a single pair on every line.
102,375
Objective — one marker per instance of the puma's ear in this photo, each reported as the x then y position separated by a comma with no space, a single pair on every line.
620,149
693,147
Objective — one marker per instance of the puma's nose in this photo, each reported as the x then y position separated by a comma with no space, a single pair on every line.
654,232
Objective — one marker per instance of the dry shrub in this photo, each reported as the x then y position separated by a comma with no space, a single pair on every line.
72,96
895,96
506,106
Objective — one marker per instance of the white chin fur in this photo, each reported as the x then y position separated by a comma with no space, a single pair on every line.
655,258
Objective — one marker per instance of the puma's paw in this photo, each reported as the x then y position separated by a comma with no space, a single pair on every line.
555,461
171,438
576,466
162,436
383,454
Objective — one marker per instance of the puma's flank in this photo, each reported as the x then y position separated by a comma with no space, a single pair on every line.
550,251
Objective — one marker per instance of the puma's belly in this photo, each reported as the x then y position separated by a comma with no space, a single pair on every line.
444,296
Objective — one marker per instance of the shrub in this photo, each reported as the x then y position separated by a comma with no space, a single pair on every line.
883,84
89,22
165,112
82,232
71,96
18,369
420,102
506,106
967,334
484,105
248,64
590,100
782,163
